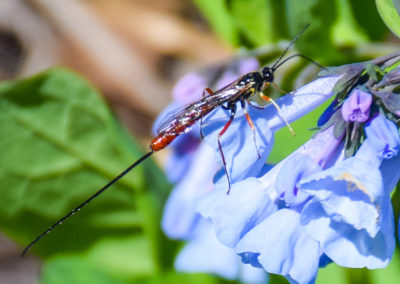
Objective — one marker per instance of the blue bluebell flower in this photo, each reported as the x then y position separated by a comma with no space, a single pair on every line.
204,253
350,213
239,217
240,154
294,262
329,201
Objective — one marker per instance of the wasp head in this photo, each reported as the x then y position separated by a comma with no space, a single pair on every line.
267,74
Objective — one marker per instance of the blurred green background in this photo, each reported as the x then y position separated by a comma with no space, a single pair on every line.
63,137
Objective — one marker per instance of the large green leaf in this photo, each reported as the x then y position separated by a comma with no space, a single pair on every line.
59,144
240,22
77,270
316,42
218,16
367,17
390,15
254,18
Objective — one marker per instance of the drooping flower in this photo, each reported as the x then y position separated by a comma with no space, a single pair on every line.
286,247
240,154
350,213
356,107
328,201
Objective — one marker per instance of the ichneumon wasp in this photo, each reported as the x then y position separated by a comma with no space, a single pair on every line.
239,91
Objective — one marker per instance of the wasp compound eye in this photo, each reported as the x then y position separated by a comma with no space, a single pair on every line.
268,74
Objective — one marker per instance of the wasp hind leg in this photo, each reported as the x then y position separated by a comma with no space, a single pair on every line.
268,99
251,124
210,93
233,112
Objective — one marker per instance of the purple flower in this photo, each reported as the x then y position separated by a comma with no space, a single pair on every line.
189,88
357,106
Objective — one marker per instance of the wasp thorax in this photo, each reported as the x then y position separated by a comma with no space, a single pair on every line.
268,74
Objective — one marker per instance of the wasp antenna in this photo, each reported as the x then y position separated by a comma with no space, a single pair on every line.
79,207
274,67
302,56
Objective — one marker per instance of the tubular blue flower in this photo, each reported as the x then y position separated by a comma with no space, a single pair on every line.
282,246
383,135
180,220
356,107
276,240
206,254
248,214
317,205
243,161
350,213
252,199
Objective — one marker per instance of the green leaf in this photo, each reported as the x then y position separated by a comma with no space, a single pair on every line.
115,261
128,257
60,145
391,274
254,18
389,14
346,31
73,269
221,21
321,15
332,274
368,19
285,143
396,207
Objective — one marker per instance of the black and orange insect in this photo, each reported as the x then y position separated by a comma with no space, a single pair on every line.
239,91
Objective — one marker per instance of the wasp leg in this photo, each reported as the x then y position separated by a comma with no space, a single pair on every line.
278,88
233,112
210,93
256,106
264,97
250,122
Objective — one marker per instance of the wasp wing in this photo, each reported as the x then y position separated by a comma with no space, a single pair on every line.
193,112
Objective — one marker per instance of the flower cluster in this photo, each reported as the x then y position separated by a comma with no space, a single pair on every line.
330,200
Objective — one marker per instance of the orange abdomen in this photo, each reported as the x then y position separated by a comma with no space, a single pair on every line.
161,141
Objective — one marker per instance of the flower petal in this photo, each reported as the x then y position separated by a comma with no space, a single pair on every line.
349,193
234,214
241,157
206,254
282,246
345,245
189,88
383,135
179,218
356,107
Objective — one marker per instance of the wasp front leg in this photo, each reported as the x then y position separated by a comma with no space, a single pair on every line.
268,99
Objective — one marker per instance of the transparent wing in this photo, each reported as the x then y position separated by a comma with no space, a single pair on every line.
196,110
